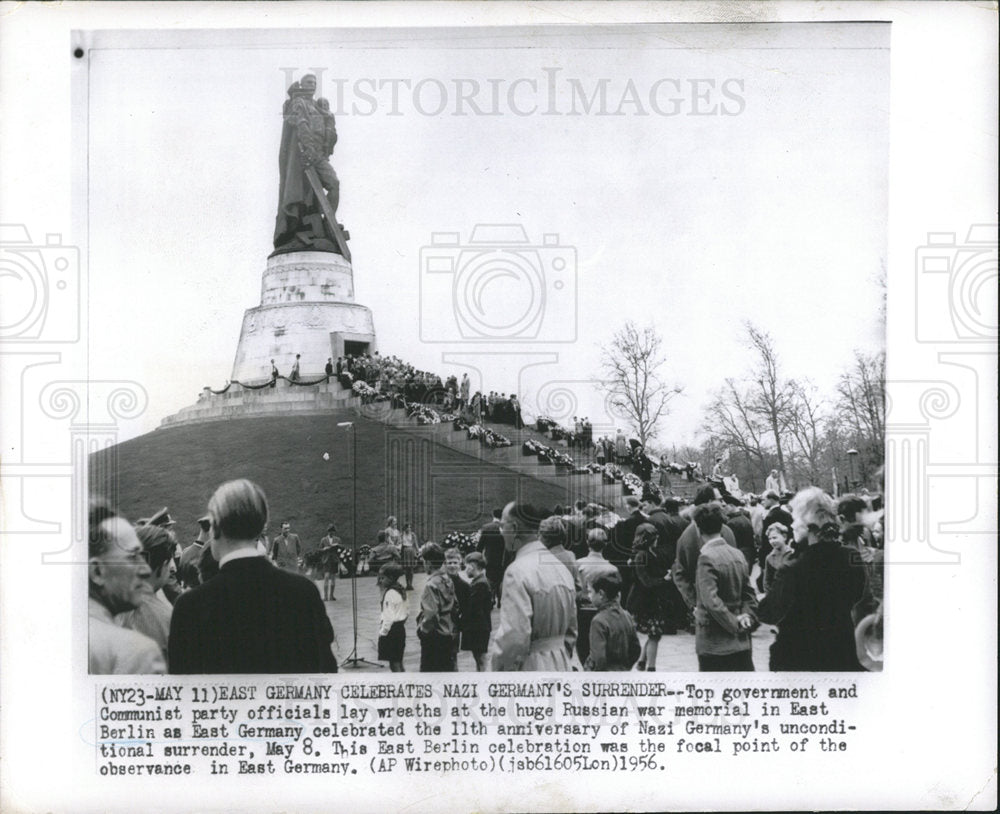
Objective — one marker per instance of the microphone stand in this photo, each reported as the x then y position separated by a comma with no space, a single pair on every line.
353,660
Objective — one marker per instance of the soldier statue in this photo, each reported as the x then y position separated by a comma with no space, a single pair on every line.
308,136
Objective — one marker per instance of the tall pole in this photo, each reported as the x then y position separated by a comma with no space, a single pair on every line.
353,660
354,537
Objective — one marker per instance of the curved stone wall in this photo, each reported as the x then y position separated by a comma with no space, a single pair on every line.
307,277
307,308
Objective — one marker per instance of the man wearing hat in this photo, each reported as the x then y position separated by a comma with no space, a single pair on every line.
187,570
162,519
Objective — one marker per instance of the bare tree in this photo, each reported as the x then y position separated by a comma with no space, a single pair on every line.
772,398
631,376
861,405
755,416
732,424
807,427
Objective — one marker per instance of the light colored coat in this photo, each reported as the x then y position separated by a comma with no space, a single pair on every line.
117,651
724,592
151,618
538,624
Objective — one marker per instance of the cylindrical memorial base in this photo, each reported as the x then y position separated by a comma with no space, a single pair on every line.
307,309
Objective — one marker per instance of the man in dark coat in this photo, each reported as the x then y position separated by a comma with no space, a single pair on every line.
492,547
251,617
669,525
619,552
742,529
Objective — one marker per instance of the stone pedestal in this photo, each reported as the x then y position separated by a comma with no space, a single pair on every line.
306,307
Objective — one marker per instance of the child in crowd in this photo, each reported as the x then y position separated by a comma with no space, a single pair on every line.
781,554
436,621
453,567
614,644
392,631
476,622
330,550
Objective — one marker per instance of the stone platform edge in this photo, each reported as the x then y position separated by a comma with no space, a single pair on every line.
284,398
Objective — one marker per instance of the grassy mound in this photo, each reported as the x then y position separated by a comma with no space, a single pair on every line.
400,472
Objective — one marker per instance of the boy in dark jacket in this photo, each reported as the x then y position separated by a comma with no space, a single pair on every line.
614,644
476,623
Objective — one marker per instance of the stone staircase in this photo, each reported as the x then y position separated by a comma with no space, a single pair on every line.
284,399
589,486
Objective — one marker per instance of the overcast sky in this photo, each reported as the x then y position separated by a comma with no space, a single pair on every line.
696,178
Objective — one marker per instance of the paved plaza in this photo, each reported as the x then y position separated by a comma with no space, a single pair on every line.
676,653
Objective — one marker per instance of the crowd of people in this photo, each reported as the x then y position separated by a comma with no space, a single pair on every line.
389,378
575,587
243,614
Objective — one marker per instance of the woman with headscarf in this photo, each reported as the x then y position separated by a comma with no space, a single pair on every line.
648,601
811,599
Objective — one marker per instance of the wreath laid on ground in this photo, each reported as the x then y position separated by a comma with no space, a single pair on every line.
464,542
611,473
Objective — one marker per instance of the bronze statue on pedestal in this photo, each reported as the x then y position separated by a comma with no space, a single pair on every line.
308,190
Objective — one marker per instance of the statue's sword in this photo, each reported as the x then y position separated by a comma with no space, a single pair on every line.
331,222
